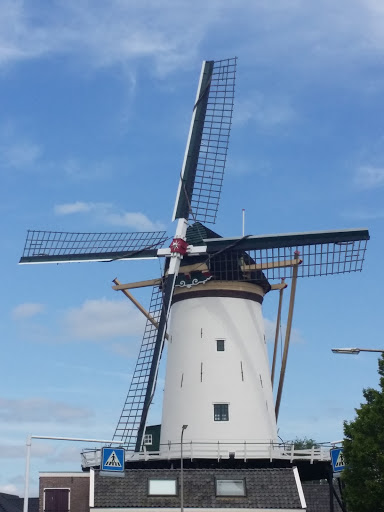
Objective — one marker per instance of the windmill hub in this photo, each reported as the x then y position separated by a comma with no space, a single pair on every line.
179,246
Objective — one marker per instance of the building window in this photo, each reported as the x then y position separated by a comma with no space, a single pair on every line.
230,487
220,346
147,439
162,487
220,412
56,499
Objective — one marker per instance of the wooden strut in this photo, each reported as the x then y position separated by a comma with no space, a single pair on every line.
136,302
287,334
278,319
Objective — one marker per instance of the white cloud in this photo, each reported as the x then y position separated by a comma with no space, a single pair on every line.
21,154
105,213
266,112
10,451
41,410
9,489
133,220
27,310
105,35
103,319
70,208
369,176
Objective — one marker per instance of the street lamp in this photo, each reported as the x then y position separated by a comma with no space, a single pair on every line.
355,350
181,469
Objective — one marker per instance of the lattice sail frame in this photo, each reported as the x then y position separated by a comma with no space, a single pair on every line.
131,415
206,153
60,247
214,142
322,253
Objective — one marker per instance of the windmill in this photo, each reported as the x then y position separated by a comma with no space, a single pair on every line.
208,302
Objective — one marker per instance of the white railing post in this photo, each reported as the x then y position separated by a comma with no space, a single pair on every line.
292,451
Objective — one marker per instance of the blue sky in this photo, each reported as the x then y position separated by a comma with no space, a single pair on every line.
96,100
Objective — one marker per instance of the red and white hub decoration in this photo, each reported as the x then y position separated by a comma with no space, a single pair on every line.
179,246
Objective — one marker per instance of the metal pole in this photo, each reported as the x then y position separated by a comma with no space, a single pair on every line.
51,438
287,334
26,482
277,333
181,470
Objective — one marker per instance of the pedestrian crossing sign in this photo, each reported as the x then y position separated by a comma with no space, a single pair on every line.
112,459
337,459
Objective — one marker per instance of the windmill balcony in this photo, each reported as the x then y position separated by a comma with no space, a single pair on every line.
90,457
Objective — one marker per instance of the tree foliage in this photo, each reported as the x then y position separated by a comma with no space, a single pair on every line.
304,443
364,452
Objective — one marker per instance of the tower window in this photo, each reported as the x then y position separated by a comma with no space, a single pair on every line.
147,439
220,345
220,412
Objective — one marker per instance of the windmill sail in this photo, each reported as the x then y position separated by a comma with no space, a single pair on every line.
322,253
202,173
62,247
131,415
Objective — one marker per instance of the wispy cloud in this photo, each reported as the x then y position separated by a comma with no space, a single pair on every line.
266,112
17,150
27,310
106,212
41,410
103,319
369,177
76,207
112,36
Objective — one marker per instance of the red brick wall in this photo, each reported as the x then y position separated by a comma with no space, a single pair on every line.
79,490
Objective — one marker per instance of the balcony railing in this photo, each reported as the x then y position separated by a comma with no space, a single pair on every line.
218,450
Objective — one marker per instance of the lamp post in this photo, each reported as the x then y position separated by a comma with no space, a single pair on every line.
181,469
356,350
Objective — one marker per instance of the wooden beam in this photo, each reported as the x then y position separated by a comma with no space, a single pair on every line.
139,306
279,286
138,284
271,264
278,319
287,335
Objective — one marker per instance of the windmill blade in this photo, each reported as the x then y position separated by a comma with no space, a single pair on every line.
169,286
62,247
205,156
131,415
321,252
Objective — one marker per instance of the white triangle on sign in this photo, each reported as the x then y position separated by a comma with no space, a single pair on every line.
340,460
113,461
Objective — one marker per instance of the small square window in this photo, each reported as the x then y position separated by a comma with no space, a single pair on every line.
220,346
230,487
162,487
220,412
147,439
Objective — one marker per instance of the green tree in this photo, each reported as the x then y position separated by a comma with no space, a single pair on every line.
364,452
304,443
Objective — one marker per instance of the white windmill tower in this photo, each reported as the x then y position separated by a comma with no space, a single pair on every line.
208,303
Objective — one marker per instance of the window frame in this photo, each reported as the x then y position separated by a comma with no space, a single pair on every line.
172,479
145,441
218,340
243,480
57,489
221,414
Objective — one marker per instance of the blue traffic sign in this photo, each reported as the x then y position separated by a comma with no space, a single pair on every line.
112,459
337,459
